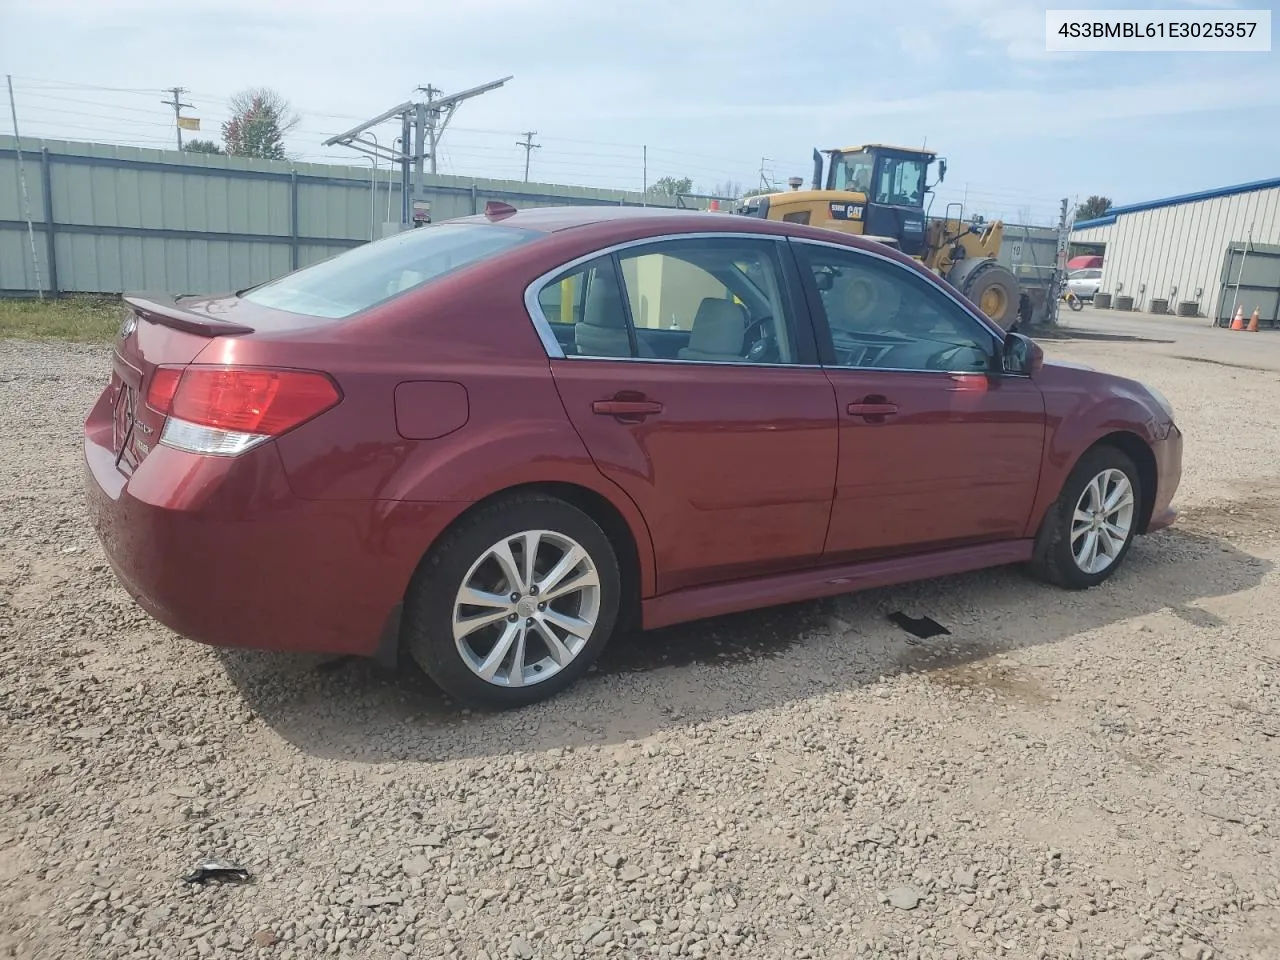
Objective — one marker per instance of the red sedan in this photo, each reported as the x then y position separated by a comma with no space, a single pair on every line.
494,441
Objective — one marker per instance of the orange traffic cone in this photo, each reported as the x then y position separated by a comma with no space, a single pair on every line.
1237,322
1253,321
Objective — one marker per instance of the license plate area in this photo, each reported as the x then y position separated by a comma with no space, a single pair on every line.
124,420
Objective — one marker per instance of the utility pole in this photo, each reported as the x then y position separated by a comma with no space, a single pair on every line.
177,105
765,183
1060,271
644,174
529,147
427,127
26,199
422,124
435,114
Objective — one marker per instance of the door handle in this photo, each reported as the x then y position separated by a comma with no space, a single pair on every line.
873,409
637,409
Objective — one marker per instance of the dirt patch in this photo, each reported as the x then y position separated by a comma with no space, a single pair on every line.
1060,333
1255,519
967,669
1221,363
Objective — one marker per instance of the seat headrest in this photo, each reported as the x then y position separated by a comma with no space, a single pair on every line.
603,307
718,327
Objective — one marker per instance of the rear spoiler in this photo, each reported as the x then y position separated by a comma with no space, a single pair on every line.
168,313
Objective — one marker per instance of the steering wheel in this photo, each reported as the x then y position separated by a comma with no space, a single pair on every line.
759,333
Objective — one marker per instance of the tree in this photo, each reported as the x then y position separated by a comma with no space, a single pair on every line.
260,118
201,146
730,188
670,186
1093,208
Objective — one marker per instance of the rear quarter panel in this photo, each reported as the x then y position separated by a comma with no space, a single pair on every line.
1082,407
472,332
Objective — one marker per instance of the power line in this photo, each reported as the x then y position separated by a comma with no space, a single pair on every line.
63,84
35,95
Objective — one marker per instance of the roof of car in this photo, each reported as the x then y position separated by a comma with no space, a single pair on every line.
608,224
553,219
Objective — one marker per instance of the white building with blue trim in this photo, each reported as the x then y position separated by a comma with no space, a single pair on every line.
1177,249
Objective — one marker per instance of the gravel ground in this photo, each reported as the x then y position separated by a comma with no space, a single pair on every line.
1065,775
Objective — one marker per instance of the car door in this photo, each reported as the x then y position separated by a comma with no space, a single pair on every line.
936,450
699,394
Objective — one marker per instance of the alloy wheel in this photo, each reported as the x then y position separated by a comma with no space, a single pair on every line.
526,608
1102,522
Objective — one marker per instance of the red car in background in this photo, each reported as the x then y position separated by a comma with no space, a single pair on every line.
492,441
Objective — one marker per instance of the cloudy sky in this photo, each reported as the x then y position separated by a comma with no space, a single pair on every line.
717,90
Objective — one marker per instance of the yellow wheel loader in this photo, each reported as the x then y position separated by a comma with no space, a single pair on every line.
879,191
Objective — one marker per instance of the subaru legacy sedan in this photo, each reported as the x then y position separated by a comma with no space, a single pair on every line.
492,443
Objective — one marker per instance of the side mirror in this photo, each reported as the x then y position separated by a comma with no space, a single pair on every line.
823,280
942,170
1020,355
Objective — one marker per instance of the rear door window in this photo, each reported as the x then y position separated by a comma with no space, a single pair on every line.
711,300
361,278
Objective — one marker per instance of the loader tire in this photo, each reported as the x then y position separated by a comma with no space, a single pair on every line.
993,290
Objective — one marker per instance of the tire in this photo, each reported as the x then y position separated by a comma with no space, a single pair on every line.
1055,556
465,556
1077,304
978,279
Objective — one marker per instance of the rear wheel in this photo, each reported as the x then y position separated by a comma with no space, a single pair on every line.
1089,529
515,603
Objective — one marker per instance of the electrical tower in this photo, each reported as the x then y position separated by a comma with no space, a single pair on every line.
422,124
177,105
529,147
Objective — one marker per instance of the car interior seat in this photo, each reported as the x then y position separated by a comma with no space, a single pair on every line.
603,329
719,327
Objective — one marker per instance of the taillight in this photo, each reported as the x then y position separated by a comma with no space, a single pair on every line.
164,384
228,410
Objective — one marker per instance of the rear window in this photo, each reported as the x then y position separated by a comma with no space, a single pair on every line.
366,276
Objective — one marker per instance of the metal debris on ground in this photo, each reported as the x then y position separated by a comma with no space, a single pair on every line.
212,869
924,627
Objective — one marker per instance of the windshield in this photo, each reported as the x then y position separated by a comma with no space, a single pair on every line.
901,181
852,171
364,277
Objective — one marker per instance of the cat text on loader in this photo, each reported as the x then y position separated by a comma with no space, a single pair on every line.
879,192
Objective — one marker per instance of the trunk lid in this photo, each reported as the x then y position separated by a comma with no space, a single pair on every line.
156,330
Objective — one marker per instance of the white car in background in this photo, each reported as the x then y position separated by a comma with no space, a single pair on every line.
1085,283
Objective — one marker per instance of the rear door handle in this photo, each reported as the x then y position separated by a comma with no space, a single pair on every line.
872,409
626,408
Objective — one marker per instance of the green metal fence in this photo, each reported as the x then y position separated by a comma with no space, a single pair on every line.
110,218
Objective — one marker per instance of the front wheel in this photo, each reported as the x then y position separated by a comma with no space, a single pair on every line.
515,602
1076,303
1088,530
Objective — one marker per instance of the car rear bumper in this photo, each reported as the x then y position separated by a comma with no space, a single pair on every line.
1168,455
220,550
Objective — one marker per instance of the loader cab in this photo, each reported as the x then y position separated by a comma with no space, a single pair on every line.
895,181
